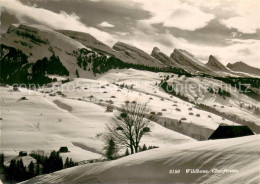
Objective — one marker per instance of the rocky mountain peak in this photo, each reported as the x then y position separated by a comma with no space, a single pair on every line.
156,49
215,64
243,67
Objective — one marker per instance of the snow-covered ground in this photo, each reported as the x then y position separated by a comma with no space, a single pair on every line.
141,86
74,114
48,122
220,161
77,120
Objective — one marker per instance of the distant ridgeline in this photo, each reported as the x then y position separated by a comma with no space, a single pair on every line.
15,68
102,64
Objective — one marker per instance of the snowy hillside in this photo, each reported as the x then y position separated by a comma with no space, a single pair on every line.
83,105
122,51
50,122
88,41
220,161
38,42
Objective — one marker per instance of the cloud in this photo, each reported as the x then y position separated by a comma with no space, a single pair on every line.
176,14
105,24
53,20
247,16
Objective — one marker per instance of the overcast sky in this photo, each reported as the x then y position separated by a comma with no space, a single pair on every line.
228,29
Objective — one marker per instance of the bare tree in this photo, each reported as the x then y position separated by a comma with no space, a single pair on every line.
128,125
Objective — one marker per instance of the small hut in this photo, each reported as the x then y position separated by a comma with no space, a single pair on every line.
224,132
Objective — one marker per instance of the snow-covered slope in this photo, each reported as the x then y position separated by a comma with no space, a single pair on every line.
195,122
122,51
243,67
219,162
47,122
38,42
74,114
185,58
134,55
89,41
197,91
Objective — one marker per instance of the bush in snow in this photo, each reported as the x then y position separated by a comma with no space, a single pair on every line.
198,115
109,108
23,98
110,101
163,109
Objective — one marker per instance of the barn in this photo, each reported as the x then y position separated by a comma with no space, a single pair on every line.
224,132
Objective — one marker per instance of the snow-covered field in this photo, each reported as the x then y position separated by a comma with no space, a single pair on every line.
74,115
226,161
48,122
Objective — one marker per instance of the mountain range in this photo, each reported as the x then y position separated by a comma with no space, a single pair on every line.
77,51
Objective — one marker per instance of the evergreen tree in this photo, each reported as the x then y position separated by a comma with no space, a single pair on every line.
53,163
11,171
111,149
38,168
31,169
66,164
77,73
20,171
126,152
71,163
2,159
144,147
